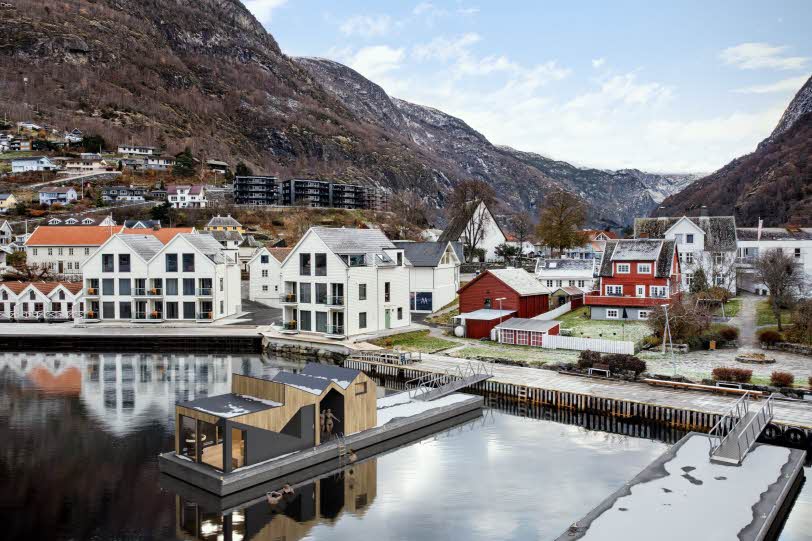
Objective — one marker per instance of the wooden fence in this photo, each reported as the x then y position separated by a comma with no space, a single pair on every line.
592,344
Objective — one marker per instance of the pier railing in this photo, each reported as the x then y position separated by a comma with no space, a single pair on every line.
724,426
753,429
436,384
388,356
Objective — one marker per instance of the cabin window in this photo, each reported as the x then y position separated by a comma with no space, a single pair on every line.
689,238
107,263
237,448
360,388
623,268
644,268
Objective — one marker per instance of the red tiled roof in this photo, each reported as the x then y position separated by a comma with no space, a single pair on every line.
66,235
44,287
165,234
280,253
16,287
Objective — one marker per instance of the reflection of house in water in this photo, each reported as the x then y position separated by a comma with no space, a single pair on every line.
324,500
124,391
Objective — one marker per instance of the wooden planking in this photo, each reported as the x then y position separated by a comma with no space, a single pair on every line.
194,414
258,387
360,410
275,419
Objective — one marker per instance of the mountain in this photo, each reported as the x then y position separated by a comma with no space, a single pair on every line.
205,74
773,183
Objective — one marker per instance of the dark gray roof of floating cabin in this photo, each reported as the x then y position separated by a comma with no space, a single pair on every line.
222,405
339,374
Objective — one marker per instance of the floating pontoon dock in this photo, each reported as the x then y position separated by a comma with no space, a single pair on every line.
684,495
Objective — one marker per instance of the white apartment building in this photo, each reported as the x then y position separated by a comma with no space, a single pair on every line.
706,242
39,301
134,277
342,282
33,163
265,275
185,197
63,248
480,226
753,241
434,273
556,273
136,150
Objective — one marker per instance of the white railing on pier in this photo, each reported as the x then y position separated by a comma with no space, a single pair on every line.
435,384
734,435
388,356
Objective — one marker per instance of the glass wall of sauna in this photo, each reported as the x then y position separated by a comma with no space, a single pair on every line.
188,437
201,441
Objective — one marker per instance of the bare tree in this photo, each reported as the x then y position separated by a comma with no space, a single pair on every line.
783,276
563,216
410,208
522,224
29,273
471,201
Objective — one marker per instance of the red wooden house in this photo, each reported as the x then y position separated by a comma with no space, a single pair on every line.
635,276
497,295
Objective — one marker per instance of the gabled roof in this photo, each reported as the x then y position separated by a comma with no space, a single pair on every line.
342,240
280,253
594,233
774,233
524,324
58,189
195,189
720,231
226,406
4,196
457,226
45,288
224,236
223,221
164,235
207,245
553,265
66,235
424,254
30,159
146,224
658,251
251,242
338,374
569,290
519,280
146,246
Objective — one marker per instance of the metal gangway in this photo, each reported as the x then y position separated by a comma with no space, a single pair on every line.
734,435
434,384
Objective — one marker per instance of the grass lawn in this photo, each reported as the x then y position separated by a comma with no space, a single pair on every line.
414,341
579,325
732,308
444,318
765,316
532,355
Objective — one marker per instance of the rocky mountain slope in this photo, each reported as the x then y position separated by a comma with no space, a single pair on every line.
773,183
205,74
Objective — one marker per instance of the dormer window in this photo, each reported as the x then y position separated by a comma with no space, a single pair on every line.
644,268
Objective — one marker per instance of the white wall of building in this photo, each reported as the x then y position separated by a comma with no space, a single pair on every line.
264,278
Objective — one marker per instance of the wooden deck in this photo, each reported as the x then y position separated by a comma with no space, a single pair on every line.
525,380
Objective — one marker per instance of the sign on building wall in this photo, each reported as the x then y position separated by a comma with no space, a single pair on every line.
422,301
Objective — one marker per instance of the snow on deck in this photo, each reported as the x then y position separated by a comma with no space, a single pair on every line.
400,405
693,499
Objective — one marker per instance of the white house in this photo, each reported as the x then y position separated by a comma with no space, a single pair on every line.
6,233
134,277
434,273
136,150
64,248
478,225
342,282
182,197
555,273
84,164
706,242
159,163
38,301
753,241
5,251
265,275
248,248
33,163
58,194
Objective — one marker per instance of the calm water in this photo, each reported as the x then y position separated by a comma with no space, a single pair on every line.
80,435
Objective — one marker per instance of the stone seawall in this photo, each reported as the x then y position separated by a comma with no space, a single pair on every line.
304,350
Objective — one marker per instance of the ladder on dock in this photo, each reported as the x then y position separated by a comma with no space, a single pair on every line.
736,432
343,450
435,385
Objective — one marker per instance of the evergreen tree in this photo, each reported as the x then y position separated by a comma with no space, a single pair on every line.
184,164
699,282
243,170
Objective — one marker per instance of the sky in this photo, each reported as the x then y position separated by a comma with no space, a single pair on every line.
661,86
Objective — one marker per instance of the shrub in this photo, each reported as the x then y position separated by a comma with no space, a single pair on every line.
652,341
729,333
588,359
782,379
739,375
721,293
801,331
770,337
619,362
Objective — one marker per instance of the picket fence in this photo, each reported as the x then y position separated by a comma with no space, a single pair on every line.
552,314
593,344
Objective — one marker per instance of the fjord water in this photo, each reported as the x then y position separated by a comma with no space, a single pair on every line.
81,433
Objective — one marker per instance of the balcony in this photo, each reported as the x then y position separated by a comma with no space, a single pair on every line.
336,302
91,315
205,316
156,292
336,331
746,261
626,300
92,292
140,316
204,292
288,298
140,292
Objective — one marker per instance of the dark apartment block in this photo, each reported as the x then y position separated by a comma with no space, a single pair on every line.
256,190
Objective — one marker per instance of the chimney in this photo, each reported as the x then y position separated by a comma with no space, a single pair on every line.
760,225
703,210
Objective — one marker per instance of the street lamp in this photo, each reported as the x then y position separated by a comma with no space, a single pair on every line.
500,299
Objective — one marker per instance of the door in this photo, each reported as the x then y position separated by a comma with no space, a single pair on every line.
387,318
61,267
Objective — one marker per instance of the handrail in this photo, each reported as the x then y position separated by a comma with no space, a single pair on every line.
738,410
764,416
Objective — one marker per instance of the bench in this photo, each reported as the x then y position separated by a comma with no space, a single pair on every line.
600,369
700,387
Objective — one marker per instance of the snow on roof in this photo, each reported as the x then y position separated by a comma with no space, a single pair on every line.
343,240
523,324
774,233
230,405
720,231
636,249
521,281
223,221
485,314
565,264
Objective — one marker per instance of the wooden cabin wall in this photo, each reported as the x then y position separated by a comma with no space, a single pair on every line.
194,414
260,388
360,480
275,419
360,410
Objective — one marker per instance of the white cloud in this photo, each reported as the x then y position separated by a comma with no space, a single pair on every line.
468,11
372,62
444,49
793,84
366,25
598,62
426,8
623,89
761,56
263,9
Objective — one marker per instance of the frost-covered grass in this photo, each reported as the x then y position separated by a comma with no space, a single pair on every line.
414,341
579,324
532,355
765,316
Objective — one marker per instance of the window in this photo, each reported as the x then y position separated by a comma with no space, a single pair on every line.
188,262
108,286
549,283
321,264
125,310
221,284
264,273
614,291
689,238
689,278
304,320
658,291
559,283
171,286
171,262
107,263
59,251
35,251
124,286
798,253
264,288
362,320
189,310
643,314
644,268
50,251
304,292
400,313
400,259
321,293
222,307
486,303
189,286
87,251
70,251
362,292
304,264
570,283
718,258
581,283
123,262
264,259
109,310
387,291
612,313
360,388
689,258
623,268
640,291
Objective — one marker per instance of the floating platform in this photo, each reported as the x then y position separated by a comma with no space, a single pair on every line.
398,416
683,495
